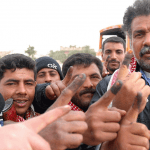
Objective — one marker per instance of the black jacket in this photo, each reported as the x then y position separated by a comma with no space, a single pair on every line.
101,88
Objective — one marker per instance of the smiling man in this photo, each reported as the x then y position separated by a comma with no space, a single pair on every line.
113,52
17,81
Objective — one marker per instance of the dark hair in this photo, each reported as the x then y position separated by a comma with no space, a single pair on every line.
14,61
114,40
81,59
139,8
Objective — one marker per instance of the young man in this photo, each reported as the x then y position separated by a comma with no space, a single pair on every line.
17,81
113,52
48,70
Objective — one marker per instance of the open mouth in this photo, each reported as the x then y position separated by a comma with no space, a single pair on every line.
20,103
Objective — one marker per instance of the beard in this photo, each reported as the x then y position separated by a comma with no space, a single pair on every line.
78,101
112,61
142,62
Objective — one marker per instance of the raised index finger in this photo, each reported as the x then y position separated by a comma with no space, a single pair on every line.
36,124
69,91
123,70
68,76
106,99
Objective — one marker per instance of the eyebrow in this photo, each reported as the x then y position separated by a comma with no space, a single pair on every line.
138,31
13,80
90,75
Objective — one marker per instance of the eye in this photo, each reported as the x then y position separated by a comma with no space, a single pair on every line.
95,77
11,83
29,83
41,75
53,74
107,52
119,52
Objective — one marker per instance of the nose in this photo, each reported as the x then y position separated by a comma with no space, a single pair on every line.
87,83
113,55
48,78
147,40
21,89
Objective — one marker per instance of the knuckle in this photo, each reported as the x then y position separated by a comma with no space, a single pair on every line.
82,115
83,126
143,128
76,141
117,115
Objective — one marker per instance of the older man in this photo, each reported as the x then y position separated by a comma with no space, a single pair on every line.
137,25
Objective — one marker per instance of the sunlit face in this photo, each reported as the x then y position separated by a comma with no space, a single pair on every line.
19,85
85,93
47,75
140,29
113,55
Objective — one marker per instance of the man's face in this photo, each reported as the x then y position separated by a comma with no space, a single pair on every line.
140,29
20,86
47,75
113,55
85,93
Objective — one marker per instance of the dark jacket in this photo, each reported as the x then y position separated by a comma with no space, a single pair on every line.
41,103
101,88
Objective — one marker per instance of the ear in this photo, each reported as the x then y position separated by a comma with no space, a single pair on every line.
103,56
35,83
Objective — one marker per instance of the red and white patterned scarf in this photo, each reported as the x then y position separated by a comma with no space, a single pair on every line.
113,79
12,115
29,114
74,107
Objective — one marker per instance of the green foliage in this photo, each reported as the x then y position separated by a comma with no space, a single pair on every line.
58,55
31,52
61,56
85,50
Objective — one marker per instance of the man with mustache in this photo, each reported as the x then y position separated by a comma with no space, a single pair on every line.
92,68
136,22
113,51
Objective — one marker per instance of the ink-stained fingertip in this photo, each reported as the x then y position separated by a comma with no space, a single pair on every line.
116,87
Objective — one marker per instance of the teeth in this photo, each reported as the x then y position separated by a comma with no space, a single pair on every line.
20,101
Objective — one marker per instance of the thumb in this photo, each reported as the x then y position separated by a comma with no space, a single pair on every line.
123,70
135,109
36,124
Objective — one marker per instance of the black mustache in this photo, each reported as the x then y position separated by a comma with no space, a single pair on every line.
113,61
87,91
144,50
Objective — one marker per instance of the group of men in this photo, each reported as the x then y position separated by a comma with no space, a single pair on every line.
89,123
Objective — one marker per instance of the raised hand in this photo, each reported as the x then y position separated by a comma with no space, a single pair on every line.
53,90
132,135
132,84
69,91
24,135
67,131
103,123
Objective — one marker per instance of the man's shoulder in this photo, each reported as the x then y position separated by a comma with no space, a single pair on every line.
104,82
101,88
